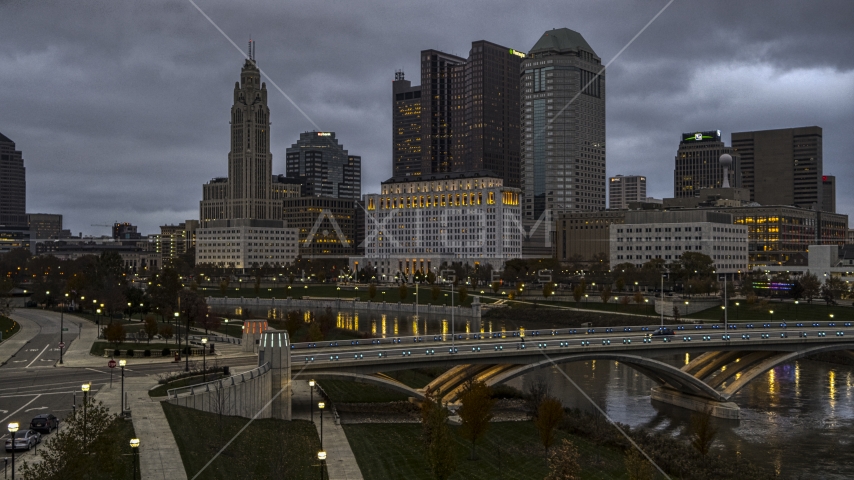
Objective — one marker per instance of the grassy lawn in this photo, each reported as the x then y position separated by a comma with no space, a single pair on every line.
342,391
818,311
9,327
161,390
267,448
416,378
98,348
510,450
392,293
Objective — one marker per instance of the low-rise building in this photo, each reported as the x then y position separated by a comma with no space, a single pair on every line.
418,223
579,236
246,243
648,235
176,240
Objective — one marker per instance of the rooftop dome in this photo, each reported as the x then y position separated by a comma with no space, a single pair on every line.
561,40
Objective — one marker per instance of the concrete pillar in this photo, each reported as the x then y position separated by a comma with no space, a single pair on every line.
275,348
727,410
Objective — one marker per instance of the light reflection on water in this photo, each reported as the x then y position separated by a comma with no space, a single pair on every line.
798,418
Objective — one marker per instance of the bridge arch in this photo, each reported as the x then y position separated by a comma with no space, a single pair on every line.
378,380
658,371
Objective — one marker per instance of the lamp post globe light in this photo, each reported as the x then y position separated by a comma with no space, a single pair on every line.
177,333
321,455
85,389
134,445
122,364
13,428
311,399
204,359
321,406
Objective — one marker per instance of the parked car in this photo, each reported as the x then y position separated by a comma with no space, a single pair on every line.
44,422
24,440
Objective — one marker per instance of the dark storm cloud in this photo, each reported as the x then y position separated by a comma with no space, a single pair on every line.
121,108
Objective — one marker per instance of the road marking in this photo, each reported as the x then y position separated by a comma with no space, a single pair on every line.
34,408
37,356
4,411
40,394
18,361
18,410
105,373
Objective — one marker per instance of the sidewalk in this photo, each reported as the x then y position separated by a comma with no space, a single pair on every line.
159,457
340,461
79,349
11,345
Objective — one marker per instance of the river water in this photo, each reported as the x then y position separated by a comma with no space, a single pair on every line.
797,418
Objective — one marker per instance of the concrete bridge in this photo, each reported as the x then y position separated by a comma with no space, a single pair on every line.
723,361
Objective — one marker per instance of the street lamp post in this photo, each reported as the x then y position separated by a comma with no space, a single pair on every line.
736,309
134,445
61,328
85,388
13,428
771,312
321,455
122,364
204,360
311,398
226,326
796,310
321,406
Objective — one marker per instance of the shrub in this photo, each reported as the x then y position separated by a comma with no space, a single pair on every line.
146,353
117,353
166,352
130,352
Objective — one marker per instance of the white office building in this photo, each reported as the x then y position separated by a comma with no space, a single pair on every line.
246,243
418,223
647,235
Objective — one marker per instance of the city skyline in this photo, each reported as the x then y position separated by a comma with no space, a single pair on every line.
103,143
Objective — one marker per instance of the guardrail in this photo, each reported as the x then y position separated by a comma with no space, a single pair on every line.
173,393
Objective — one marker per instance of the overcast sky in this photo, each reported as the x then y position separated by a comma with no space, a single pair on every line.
121,108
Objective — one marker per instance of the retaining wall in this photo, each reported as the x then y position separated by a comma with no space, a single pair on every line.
242,395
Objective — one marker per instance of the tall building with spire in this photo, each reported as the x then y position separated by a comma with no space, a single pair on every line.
240,216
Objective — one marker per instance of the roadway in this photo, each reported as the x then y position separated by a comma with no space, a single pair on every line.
32,382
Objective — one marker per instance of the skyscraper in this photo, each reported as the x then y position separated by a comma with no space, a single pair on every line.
697,166
439,72
625,189
324,167
13,185
240,216
563,125
782,167
248,192
470,112
406,130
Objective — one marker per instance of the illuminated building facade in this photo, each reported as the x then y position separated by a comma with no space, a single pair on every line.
470,112
326,226
406,127
417,224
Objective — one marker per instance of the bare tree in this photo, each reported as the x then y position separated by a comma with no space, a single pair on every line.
538,390
475,412
703,433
